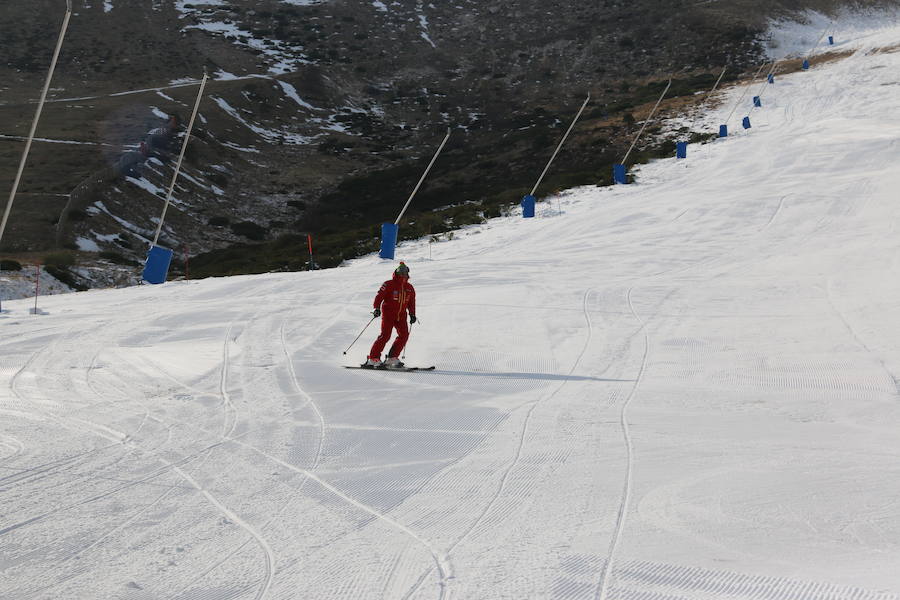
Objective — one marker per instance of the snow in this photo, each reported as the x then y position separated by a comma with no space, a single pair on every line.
193,180
851,31
187,7
223,75
157,112
21,284
423,23
281,56
165,96
682,389
291,92
146,184
145,234
87,245
269,135
234,146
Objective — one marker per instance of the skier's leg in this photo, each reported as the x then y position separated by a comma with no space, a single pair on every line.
387,326
402,336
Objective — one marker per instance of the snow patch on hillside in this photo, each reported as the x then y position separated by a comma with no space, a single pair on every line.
423,24
23,284
270,135
281,57
291,92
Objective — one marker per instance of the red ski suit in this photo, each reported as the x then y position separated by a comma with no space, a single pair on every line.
394,299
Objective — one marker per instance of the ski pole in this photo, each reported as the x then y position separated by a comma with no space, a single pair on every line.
360,334
405,346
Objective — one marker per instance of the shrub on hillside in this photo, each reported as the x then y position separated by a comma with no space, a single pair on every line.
65,276
59,259
118,259
250,230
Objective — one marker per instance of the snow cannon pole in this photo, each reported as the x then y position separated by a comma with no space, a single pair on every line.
424,175
561,142
705,100
309,245
816,45
37,117
643,127
757,99
821,37
389,230
360,334
156,267
708,94
744,95
187,137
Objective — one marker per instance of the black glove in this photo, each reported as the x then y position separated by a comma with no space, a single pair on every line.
376,312
412,318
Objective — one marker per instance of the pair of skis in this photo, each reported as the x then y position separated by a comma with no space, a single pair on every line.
401,369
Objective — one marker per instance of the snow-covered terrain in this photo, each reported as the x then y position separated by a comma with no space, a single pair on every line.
683,389
26,282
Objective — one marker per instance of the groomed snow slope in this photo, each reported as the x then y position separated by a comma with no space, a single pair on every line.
684,389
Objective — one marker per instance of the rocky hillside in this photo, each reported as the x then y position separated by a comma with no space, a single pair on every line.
320,116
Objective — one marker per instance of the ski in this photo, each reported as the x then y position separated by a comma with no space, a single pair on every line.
403,370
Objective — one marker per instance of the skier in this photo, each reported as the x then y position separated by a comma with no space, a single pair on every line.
393,300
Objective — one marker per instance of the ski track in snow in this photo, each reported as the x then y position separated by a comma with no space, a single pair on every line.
609,564
114,435
516,457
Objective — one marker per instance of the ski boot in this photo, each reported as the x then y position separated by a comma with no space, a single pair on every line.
393,362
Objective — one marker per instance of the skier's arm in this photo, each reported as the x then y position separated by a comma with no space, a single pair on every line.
379,297
412,301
